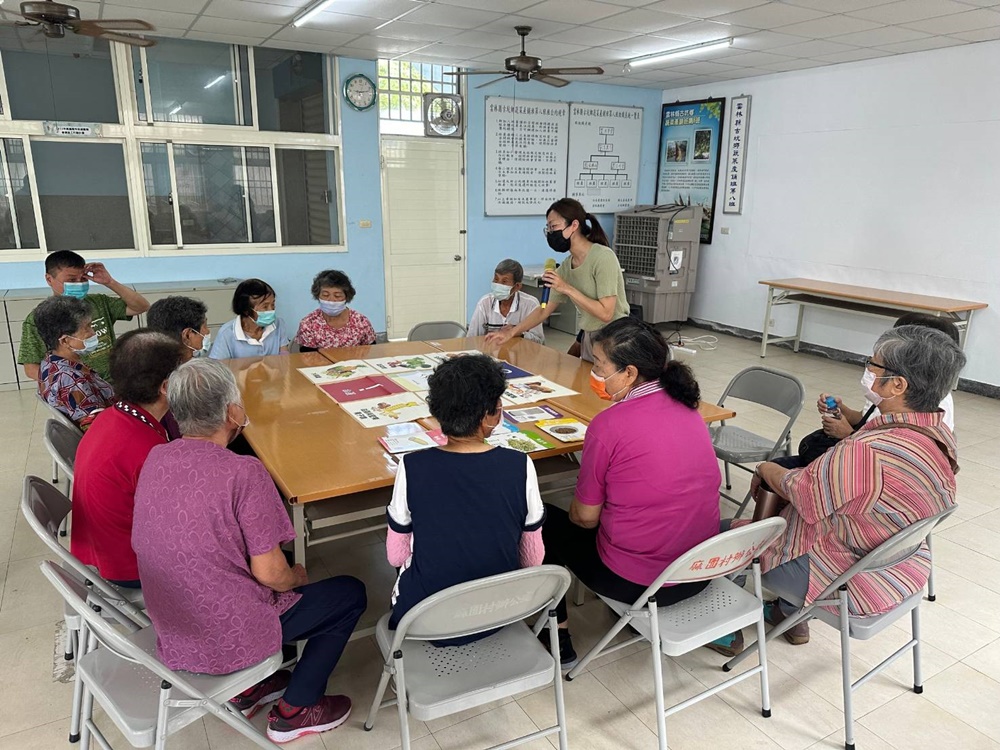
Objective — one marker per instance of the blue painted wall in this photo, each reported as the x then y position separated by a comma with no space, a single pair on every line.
493,238
289,273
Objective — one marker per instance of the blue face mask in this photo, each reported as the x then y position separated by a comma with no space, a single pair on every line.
500,291
332,308
266,317
206,345
77,289
89,344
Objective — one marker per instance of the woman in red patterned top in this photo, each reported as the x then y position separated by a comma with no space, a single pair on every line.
333,324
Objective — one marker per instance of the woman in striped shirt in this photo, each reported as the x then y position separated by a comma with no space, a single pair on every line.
896,469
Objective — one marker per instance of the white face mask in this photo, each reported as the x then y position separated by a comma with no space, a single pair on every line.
868,380
500,291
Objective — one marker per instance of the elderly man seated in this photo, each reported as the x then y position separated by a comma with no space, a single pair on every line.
207,532
114,449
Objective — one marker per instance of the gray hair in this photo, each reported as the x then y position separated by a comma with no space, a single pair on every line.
199,393
60,316
928,359
515,269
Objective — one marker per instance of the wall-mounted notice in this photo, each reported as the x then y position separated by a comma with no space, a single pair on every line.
526,144
689,156
604,147
739,127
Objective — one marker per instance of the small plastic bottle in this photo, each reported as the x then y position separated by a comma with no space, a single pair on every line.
831,407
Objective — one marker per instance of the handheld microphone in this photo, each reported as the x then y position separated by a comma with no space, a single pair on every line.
550,265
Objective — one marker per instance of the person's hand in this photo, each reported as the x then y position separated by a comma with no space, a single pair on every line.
821,403
501,337
97,273
836,427
301,577
755,482
555,282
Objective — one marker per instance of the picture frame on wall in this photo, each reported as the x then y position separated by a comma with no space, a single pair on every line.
690,153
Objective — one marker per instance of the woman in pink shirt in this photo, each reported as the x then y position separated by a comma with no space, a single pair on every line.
648,489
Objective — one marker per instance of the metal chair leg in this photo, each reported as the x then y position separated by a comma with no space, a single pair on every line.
557,682
743,505
55,472
918,677
579,592
931,595
765,689
729,484
383,683
404,720
845,668
661,717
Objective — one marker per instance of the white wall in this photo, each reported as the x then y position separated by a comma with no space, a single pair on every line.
885,173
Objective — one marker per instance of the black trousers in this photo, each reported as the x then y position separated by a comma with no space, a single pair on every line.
576,548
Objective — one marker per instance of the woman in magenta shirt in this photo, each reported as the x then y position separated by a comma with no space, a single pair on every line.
648,489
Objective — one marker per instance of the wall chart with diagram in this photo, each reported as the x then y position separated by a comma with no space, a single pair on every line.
604,145
538,152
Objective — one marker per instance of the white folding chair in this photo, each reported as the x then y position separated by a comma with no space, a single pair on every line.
733,445
62,440
438,329
45,509
440,681
62,419
832,608
120,675
722,608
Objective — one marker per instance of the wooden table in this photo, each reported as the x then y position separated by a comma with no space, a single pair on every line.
862,300
315,450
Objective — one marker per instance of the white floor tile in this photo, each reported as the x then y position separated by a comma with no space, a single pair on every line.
912,722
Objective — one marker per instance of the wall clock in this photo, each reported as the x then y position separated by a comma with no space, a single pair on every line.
360,92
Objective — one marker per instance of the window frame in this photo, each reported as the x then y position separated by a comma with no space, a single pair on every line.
131,132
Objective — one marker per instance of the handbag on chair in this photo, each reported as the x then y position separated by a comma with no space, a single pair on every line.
767,502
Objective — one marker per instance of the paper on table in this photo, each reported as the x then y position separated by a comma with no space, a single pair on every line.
404,363
338,372
566,430
409,443
532,414
440,357
412,381
400,407
525,442
529,390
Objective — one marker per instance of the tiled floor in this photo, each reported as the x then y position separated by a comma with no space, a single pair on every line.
611,705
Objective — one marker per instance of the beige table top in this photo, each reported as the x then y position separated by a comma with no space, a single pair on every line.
876,296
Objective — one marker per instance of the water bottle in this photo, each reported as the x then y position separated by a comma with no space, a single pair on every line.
831,407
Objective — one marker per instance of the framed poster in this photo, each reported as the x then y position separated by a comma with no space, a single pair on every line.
690,147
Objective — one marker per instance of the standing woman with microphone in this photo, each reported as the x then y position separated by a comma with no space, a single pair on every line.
591,278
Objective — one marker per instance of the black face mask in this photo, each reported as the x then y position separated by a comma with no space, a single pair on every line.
557,242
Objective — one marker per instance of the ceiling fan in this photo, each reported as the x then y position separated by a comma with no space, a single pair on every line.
54,19
525,67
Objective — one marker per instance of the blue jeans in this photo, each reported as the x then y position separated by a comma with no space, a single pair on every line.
325,617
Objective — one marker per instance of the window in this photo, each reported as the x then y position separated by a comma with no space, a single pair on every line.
307,192
83,194
192,82
17,210
159,193
291,91
60,79
401,86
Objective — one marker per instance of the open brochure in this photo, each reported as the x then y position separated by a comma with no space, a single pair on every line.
412,381
532,413
402,363
361,388
409,443
567,430
526,442
395,409
528,390
338,372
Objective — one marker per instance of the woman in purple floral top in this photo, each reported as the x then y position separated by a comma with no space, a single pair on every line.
64,381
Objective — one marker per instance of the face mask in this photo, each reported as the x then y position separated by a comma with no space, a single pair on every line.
239,427
557,242
332,308
266,317
77,289
500,291
867,381
597,385
206,344
89,344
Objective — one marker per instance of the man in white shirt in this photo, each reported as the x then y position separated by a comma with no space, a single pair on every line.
506,305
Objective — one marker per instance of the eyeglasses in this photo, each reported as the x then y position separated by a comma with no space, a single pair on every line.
872,363
548,228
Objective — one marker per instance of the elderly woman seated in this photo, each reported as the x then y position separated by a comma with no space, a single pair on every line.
207,531
897,469
465,510
256,331
184,318
648,489
64,381
334,324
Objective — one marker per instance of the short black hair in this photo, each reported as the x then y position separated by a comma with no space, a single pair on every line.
331,278
60,259
174,315
247,289
463,390
928,321
60,316
140,361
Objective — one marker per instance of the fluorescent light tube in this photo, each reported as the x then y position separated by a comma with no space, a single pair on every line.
175,110
694,49
313,12
214,81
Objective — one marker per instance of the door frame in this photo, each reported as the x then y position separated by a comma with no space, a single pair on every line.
386,222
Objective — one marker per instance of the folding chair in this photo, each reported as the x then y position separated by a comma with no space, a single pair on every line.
439,681
722,608
438,329
121,673
62,419
45,508
62,441
898,548
733,445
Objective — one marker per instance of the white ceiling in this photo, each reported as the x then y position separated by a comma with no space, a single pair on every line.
775,36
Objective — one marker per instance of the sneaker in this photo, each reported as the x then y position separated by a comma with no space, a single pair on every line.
264,692
567,655
797,635
329,713
728,645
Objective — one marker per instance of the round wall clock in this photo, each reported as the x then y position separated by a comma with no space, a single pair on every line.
360,92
